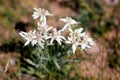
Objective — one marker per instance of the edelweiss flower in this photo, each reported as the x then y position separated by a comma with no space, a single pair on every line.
39,39
74,38
56,35
86,42
69,21
42,13
30,36
44,29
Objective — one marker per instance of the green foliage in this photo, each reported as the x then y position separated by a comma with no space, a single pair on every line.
84,18
53,63
11,12
93,17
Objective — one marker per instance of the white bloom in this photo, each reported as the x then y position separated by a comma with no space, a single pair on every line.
86,42
44,29
28,36
56,35
74,38
42,13
39,39
79,38
77,32
69,21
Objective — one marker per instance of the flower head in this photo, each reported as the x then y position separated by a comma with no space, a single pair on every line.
86,42
74,38
28,36
56,35
69,21
42,13
44,29
39,39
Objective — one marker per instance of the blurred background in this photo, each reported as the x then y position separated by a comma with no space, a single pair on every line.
100,18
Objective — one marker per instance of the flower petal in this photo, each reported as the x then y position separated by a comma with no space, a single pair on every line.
27,42
74,48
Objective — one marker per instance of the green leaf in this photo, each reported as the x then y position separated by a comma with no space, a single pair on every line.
56,63
30,62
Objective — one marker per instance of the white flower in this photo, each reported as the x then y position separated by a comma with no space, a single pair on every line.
56,35
44,29
39,39
79,38
86,42
42,13
29,37
69,21
74,38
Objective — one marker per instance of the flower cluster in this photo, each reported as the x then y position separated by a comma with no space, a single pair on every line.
46,34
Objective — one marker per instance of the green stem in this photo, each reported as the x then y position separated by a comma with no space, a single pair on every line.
50,51
51,77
